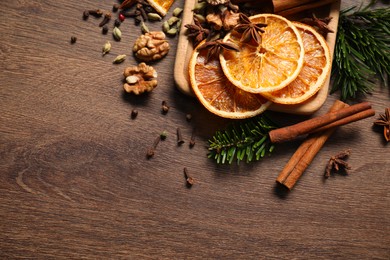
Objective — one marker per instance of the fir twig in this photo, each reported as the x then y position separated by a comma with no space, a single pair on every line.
247,140
362,51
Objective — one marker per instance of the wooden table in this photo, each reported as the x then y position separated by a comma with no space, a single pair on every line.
75,182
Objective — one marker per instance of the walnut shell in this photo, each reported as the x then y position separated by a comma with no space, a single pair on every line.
151,46
140,79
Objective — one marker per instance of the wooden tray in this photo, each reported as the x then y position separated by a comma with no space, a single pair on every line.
185,48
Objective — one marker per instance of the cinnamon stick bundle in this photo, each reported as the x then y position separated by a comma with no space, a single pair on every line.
305,154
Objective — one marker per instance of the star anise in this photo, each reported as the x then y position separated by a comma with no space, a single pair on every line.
215,48
249,29
384,121
197,32
337,163
321,24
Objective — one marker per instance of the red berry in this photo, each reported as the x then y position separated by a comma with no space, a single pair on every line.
121,17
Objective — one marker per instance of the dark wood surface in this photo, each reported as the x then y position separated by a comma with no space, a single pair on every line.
75,182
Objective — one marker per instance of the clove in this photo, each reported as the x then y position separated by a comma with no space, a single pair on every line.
192,140
106,19
97,13
151,150
180,140
189,180
164,107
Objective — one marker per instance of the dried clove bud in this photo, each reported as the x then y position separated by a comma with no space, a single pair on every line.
192,140
164,107
106,19
73,39
189,180
105,29
97,13
117,23
151,150
134,113
85,14
115,8
180,140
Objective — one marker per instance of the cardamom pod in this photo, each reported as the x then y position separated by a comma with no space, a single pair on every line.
119,59
117,34
199,7
166,27
154,17
172,32
144,28
173,20
106,48
200,18
177,12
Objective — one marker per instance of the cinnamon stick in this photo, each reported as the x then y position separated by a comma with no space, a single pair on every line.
305,154
286,8
309,126
290,7
347,120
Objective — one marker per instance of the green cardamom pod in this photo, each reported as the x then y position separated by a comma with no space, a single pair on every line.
144,28
117,34
178,24
177,12
106,48
173,20
172,32
200,18
154,17
119,59
166,27
199,7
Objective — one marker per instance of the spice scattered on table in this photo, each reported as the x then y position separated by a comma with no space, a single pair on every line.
73,39
119,59
134,113
164,107
337,163
152,149
384,120
180,140
189,180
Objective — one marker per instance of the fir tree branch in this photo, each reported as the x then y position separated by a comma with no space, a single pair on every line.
362,51
247,140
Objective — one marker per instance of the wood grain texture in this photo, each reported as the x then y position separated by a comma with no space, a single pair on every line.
75,182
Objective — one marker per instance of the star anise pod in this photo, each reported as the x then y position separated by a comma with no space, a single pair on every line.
321,24
197,32
384,121
249,30
215,48
337,163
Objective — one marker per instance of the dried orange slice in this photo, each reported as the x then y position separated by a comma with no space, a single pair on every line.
217,93
272,64
161,6
316,68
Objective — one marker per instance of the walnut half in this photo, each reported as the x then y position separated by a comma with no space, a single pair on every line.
140,79
151,46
